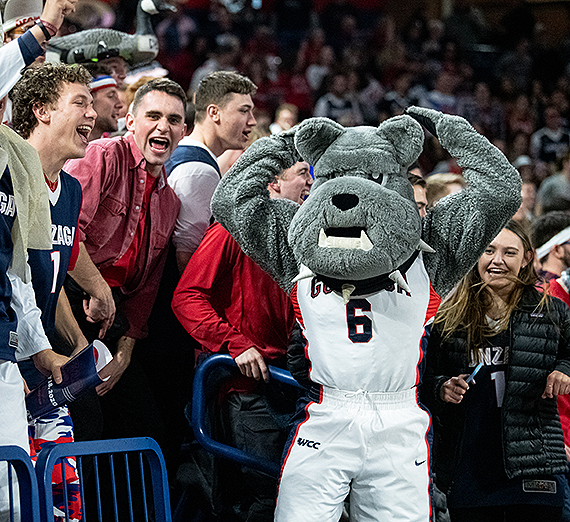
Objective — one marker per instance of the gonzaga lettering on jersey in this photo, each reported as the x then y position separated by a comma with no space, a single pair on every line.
378,336
62,235
7,205
8,321
49,267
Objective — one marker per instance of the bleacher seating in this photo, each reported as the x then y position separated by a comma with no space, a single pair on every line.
19,461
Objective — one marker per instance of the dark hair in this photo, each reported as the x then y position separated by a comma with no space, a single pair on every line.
216,89
547,226
98,69
40,85
416,180
563,159
159,84
189,115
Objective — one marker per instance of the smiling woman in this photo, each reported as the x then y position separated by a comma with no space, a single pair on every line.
498,443
500,265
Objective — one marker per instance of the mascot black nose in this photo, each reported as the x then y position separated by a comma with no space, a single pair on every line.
345,201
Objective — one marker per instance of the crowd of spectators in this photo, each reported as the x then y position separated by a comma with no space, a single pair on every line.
358,66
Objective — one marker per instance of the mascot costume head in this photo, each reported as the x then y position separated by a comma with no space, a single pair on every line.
363,270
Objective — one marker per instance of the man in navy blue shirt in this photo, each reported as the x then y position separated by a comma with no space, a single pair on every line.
53,111
24,222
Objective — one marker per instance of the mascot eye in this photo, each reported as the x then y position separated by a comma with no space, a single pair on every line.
379,179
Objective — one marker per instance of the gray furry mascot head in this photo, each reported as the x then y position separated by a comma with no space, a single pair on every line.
360,224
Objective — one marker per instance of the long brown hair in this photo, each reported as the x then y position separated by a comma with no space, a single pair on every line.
466,308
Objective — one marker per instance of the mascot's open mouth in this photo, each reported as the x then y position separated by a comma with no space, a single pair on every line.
353,238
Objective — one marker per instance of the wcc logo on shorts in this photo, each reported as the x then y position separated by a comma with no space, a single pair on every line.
308,443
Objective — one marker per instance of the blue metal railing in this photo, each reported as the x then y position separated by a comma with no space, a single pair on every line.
17,459
52,455
199,413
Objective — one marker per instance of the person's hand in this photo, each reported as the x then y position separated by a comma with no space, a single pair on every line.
557,383
115,369
252,364
454,389
100,309
55,11
567,449
49,363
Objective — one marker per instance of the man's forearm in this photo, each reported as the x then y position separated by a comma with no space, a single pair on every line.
125,345
53,12
66,325
101,305
115,369
88,277
182,259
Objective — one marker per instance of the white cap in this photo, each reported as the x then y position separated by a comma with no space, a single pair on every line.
20,12
558,239
522,161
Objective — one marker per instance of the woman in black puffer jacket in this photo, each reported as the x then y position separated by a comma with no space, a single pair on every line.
498,445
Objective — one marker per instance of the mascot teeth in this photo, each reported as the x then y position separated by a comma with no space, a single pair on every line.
398,278
347,292
424,247
365,242
351,243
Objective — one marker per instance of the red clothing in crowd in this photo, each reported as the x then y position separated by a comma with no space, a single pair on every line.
120,272
113,177
556,289
229,304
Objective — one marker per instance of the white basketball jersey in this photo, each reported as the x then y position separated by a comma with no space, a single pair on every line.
372,343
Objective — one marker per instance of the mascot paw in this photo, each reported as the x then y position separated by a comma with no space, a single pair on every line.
426,117
445,127
284,142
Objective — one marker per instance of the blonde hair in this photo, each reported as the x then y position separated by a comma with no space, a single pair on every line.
436,186
132,88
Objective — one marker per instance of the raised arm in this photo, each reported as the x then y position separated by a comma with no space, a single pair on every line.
260,225
21,52
461,225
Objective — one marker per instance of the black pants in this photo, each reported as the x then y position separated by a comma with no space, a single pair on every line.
167,356
129,409
253,428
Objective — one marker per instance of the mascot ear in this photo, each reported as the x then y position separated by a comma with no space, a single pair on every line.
406,136
314,135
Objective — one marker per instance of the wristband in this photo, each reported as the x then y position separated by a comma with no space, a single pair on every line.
50,27
44,27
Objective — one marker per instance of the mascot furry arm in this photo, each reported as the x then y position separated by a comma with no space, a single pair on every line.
283,237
